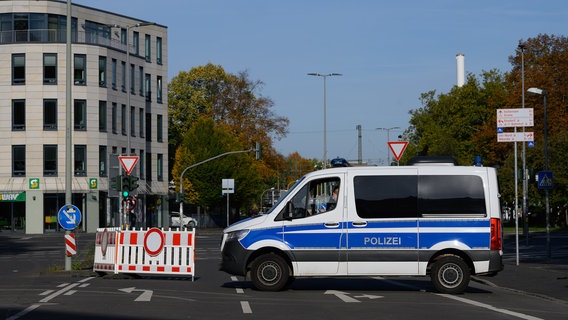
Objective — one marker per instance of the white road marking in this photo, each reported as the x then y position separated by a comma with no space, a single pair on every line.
490,307
246,307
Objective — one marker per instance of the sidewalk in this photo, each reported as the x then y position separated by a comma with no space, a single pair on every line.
536,273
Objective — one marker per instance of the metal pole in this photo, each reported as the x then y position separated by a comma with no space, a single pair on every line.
524,152
227,209
324,76
68,123
128,84
548,249
324,124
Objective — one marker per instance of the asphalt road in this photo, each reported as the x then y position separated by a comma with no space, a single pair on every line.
30,288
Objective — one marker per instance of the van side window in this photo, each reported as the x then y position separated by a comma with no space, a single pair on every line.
316,197
451,195
385,196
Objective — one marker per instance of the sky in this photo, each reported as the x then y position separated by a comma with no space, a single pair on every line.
388,52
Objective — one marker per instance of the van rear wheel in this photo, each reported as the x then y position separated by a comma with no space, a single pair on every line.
270,272
450,274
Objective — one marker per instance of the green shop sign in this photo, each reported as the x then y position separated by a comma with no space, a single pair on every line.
12,197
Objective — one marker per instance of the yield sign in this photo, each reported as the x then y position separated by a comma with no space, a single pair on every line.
128,162
397,148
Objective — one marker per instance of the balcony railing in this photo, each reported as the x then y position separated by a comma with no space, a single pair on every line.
59,36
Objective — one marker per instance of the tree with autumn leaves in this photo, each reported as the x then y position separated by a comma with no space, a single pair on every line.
462,122
212,112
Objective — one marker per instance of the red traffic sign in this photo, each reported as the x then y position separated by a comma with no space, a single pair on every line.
397,148
129,203
128,162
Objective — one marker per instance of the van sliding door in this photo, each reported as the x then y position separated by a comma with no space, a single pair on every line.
382,231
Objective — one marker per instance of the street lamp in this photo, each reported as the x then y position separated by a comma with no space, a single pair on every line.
388,140
543,93
324,76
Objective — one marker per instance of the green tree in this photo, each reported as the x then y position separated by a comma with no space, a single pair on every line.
235,106
202,184
462,123
455,123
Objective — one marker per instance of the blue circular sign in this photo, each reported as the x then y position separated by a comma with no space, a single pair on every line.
69,217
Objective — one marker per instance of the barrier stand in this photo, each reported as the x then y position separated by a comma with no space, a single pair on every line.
105,249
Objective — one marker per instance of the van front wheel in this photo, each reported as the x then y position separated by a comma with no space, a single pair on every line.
270,272
450,274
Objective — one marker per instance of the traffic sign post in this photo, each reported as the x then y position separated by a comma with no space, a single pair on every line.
397,148
128,162
545,180
69,217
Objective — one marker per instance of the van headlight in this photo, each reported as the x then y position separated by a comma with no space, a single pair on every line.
237,235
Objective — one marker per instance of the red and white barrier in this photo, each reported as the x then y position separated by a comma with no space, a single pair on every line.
152,251
105,249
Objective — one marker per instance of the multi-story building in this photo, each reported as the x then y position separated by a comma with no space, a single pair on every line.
118,107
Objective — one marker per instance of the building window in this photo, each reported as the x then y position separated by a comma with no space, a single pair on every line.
19,115
114,118
50,160
159,89
102,161
80,69
50,114
123,67
113,74
136,42
80,167
132,77
148,127
141,81
102,72
80,115
147,49
50,68
18,68
18,161
133,121
147,87
148,166
123,119
141,124
160,167
159,50
123,36
159,128
102,116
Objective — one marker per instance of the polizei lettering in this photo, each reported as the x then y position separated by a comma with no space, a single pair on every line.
382,241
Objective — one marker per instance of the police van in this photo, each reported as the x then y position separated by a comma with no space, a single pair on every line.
435,219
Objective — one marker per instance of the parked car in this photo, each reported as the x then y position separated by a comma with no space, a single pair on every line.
188,221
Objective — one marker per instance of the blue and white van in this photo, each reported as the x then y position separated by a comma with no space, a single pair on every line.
440,220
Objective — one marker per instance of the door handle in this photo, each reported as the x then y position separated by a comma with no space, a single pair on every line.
359,223
331,224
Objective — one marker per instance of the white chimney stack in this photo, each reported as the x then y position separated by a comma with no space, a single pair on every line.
461,69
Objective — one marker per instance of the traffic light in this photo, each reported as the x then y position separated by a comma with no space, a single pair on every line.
115,182
133,183
258,151
125,185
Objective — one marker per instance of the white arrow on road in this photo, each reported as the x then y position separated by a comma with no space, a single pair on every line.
369,296
346,298
146,295
342,295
